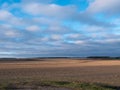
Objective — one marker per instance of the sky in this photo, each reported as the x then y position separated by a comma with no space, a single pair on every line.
59,28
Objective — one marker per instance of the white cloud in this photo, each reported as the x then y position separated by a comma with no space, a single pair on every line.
46,21
104,6
11,34
57,29
44,39
49,10
56,37
109,40
33,28
79,42
10,19
39,1
94,28
74,36
5,15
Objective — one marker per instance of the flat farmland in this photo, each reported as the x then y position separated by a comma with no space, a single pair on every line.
91,71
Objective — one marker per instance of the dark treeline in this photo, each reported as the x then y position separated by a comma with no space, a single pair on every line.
43,58
102,57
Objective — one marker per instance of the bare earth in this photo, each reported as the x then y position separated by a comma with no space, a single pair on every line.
100,71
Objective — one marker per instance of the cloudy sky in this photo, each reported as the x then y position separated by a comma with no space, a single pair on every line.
46,28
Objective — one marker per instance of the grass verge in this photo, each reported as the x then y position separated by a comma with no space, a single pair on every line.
58,84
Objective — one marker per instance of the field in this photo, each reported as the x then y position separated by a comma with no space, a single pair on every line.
67,74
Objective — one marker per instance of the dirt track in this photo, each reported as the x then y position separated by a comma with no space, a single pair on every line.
100,71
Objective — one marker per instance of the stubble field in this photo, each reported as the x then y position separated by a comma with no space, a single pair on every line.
106,72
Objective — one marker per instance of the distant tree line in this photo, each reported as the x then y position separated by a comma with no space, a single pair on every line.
103,57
